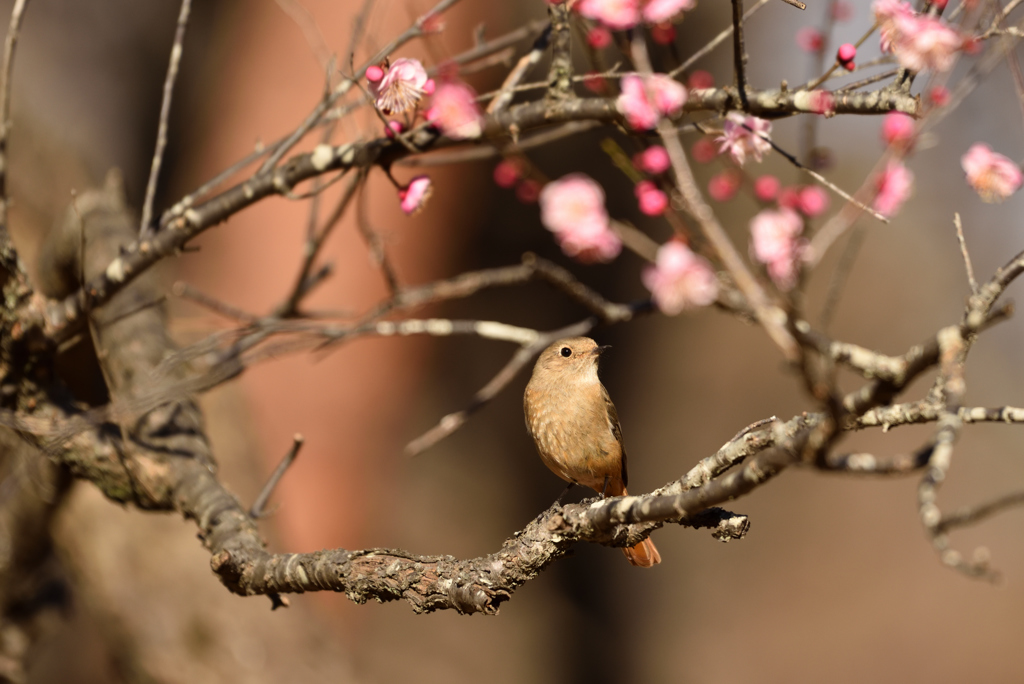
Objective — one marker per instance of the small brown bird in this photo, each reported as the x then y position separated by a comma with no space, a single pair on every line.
574,424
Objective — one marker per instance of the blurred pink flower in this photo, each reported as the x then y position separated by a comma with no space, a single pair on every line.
766,187
620,15
599,37
572,208
455,112
723,186
894,186
993,176
812,201
898,130
841,10
700,79
634,103
777,243
401,88
809,39
744,135
617,15
507,173
651,199
658,11
414,196
680,279
704,151
654,160
918,42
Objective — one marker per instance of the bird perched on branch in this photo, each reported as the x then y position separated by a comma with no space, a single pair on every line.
575,426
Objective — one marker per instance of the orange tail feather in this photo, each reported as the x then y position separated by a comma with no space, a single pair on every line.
643,555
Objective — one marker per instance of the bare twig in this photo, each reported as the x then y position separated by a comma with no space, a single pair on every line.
965,253
739,53
258,509
8,256
165,113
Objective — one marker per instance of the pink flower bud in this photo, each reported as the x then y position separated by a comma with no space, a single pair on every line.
599,37
723,186
810,39
845,55
374,74
789,198
663,34
414,196
653,201
528,191
700,79
766,188
898,130
812,201
654,160
939,96
704,151
595,84
507,173
393,128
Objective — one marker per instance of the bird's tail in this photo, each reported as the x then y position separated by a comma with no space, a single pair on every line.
643,555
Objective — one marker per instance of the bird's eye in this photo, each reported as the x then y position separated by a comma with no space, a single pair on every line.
566,352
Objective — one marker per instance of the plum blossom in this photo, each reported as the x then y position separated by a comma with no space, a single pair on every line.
414,196
454,110
894,186
777,243
572,208
723,186
918,42
507,173
620,15
401,87
744,135
809,39
634,102
993,176
680,279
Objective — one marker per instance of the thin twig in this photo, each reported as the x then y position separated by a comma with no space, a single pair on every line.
714,42
165,113
966,254
739,56
258,509
8,257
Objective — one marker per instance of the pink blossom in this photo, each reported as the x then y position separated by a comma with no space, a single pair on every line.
653,201
680,279
919,42
898,130
401,88
812,201
766,187
777,243
414,196
374,73
654,160
617,15
939,96
660,11
790,197
894,186
744,135
723,186
572,208
454,111
993,176
635,105
809,39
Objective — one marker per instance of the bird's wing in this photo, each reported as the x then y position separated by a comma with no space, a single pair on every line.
613,423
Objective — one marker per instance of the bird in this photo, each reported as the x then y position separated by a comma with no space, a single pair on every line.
575,427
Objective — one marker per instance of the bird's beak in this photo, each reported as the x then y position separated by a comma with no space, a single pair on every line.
597,351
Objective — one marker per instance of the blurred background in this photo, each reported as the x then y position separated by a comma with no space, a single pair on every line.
835,581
